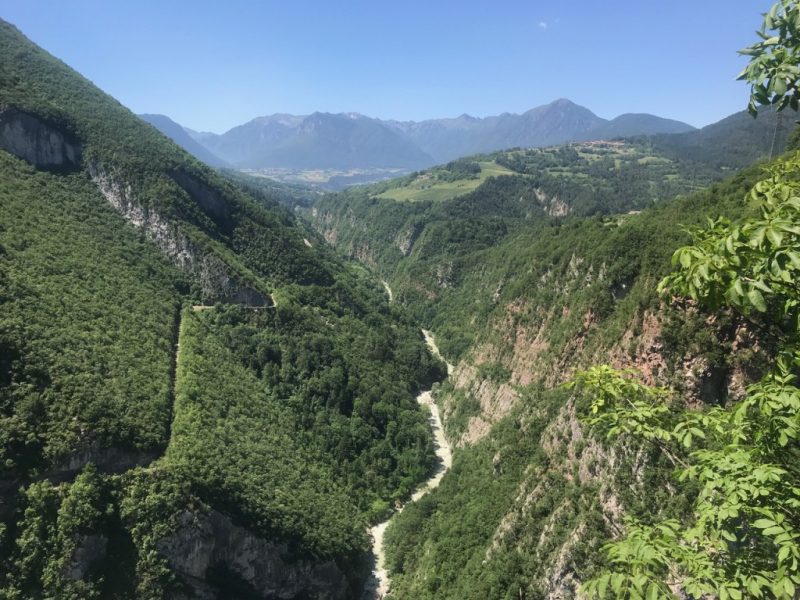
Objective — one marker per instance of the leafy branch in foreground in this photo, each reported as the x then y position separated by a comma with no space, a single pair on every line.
743,538
773,71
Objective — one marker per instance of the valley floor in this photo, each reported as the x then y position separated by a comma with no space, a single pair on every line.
379,584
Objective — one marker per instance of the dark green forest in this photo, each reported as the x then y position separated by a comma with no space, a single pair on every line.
124,409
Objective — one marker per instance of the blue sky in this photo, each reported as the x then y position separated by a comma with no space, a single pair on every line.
214,65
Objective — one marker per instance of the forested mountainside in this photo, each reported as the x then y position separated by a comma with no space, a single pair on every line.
524,285
179,135
429,229
197,397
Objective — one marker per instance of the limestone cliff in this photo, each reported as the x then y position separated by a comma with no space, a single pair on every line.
38,141
214,276
209,553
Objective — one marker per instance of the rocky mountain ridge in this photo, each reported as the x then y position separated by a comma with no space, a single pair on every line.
351,140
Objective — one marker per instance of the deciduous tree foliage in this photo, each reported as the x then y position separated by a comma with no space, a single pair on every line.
774,68
743,536
293,420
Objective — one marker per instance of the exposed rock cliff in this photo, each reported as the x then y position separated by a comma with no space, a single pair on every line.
216,281
210,547
406,238
35,140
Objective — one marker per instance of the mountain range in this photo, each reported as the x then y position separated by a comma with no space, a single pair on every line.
353,141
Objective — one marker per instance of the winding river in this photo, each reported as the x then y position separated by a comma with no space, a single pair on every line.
378,584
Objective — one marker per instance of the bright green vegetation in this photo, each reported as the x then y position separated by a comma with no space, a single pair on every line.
544,272
295,421
438,547
741,538
125,414
452,180
454,263
542,188
772,71
336,428
516,291
87,325
256,245
589,176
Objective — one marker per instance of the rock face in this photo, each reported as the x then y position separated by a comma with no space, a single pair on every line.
91,550
406,238
209,543
107,460
216,282
32,139
209,199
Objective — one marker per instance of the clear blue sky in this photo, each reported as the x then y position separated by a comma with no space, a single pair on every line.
214,65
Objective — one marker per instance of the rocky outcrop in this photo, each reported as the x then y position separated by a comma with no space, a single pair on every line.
210,543
41,143
206,197
552,205
216,281
91,550
406,238
106,459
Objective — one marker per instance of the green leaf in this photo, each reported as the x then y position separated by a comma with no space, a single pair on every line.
764,523
774,236
783,553
757,300
602,586
728,535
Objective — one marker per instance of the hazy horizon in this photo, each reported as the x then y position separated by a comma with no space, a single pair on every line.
212,67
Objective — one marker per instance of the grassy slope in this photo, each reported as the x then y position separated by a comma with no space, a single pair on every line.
427,187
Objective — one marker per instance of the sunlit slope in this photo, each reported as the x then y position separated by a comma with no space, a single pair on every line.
131,424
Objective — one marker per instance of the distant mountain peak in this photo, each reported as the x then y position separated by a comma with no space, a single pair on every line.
353,140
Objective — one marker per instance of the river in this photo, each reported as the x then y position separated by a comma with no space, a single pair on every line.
378,584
